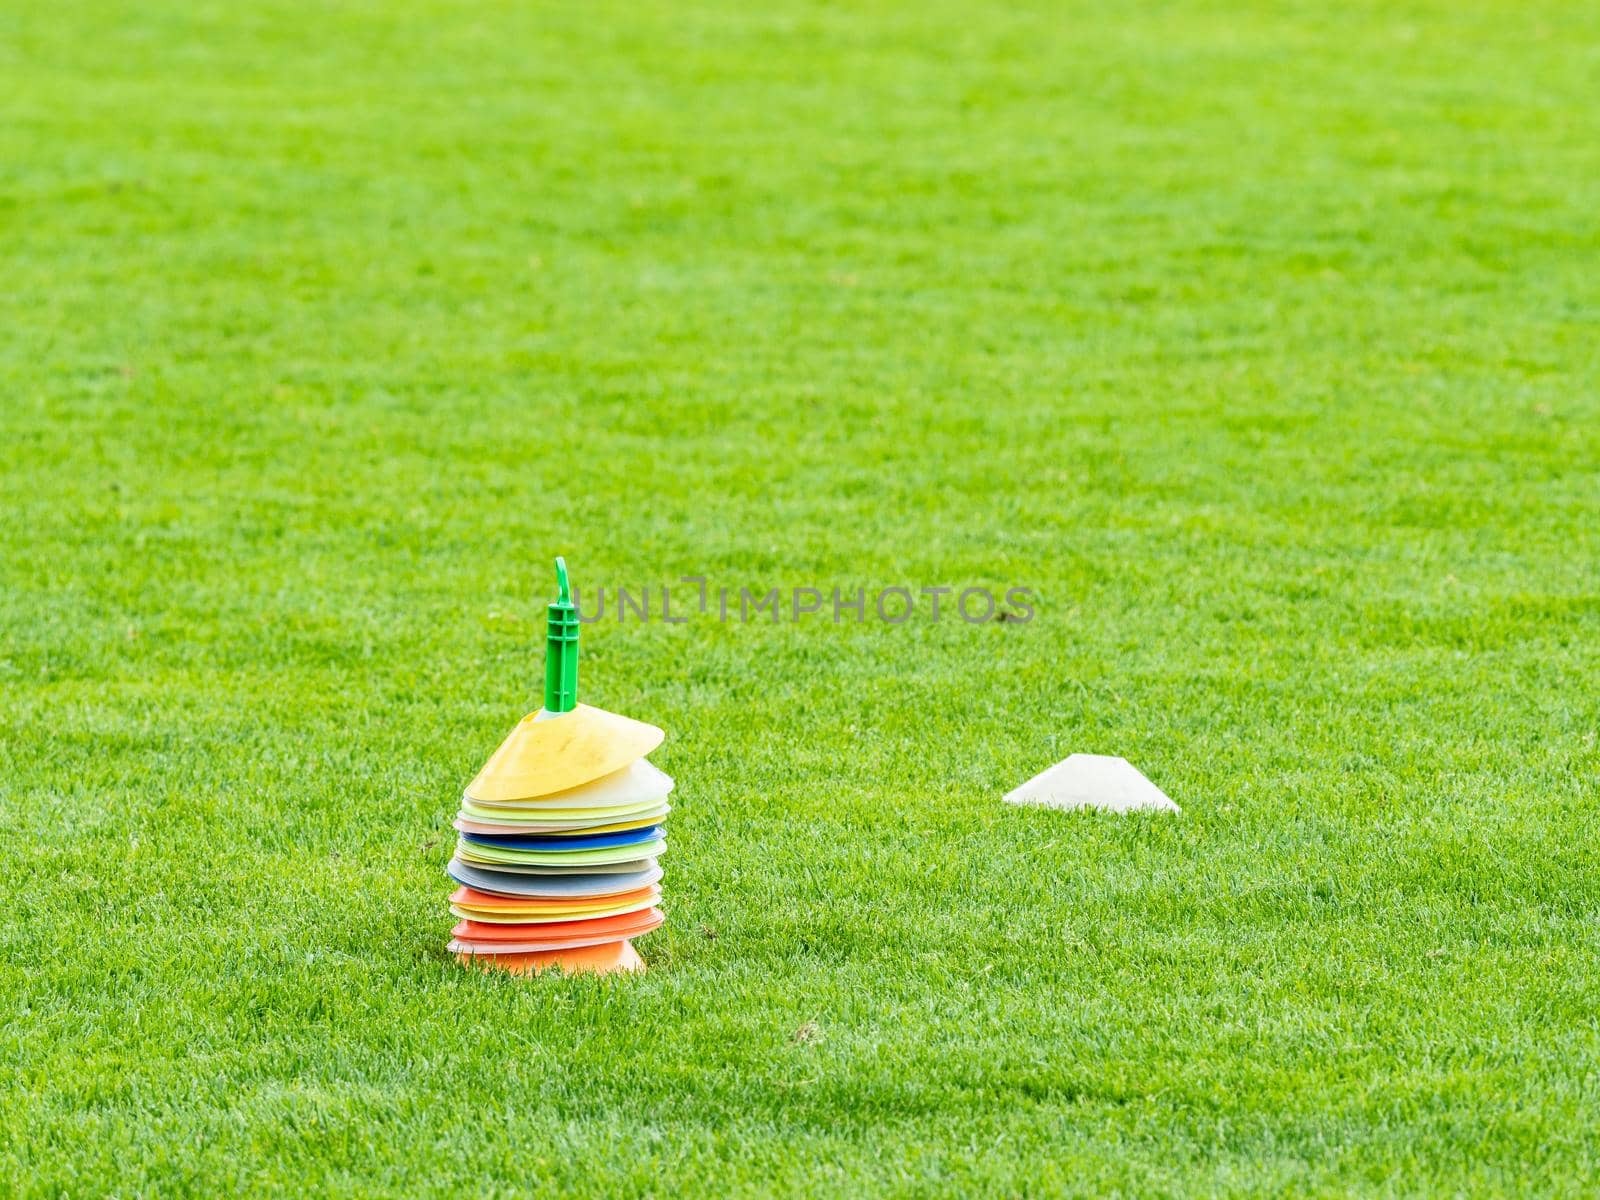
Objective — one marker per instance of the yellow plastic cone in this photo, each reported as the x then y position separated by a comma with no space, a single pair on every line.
547,754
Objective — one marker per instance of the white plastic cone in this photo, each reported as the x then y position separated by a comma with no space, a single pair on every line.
1093,781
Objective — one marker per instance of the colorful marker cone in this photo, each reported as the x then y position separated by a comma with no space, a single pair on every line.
560,831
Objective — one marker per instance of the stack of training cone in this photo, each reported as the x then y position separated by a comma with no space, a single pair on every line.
560,831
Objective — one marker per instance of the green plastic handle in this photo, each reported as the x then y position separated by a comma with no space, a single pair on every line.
561,648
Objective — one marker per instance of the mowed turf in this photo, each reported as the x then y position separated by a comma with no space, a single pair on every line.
1261,341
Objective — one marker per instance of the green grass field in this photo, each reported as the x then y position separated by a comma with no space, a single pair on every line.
1262,342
